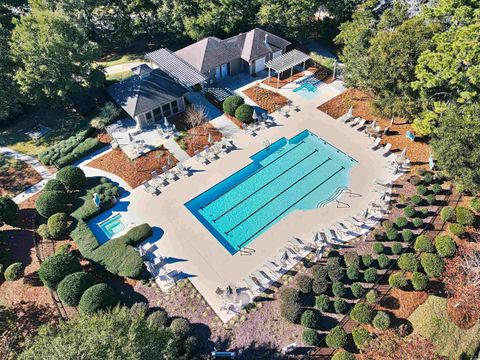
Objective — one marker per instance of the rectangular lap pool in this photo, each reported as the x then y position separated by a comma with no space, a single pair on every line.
301,173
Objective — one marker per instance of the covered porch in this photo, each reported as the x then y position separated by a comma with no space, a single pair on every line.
286,62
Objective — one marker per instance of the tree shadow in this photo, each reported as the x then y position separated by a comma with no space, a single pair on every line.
390,302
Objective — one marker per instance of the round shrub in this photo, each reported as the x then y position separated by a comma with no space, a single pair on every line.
322,302
381,320
378,247
396,248
290,295
14,271
416,200
191,345
351,258
409,211
437,189
398,280
457,229
57,225
231,104
387,225
310,337
310,319
353,273
431,199
383,261
422,190
335,271
357,290
319,272
423,244
475,204
361,336
447,213
43,231
370,275
139,309
71,289
319,286
415,180
158,318
336,338
371,296
72,177
432,264
8,211
408,262
392,234
419,281
367,260
340,306
51,202
304,283
407,235
401,222
56,267
362,313
54,185
421,171
291,311
417,222
98,297
180,328
343,355
244,113
445,246
338,289
464,216
428,178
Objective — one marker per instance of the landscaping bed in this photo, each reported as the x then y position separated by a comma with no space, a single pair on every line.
16,176
266,99
197,138
134,172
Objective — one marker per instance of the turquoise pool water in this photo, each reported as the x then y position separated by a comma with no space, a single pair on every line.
308,88
112,226
290,174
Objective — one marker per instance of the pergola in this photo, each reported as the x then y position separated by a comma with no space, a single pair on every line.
287,61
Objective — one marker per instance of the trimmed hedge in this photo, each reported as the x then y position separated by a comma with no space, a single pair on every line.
408,262
381,320
370,275
419,281
416,200
57,225
457,229
371,296
383,261
304,283
432,264
54,185
401,222
64,147
398,280
310,319
51,202
396,248
56,267
378,247
417,222
475,204
361,336
447,213
72,177
244,113
357,290
407,235
343,355
362,313
319,286
8,211
180,328
231,104
289,295
310,337
158,318
319,272
96,298
336,338
338,289
340,306
409,211
334,269
367,260
291,311
445,246
353,273
14,271
351,258
423,244
464,216
71,289
322,303
392,233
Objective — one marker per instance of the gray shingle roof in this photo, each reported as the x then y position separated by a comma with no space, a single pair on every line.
139,94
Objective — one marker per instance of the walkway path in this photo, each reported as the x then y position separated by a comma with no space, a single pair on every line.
34,163
225,126
176,150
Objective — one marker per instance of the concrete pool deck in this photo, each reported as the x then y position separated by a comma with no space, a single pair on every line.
193,250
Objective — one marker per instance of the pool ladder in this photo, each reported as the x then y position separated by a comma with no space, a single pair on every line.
334,197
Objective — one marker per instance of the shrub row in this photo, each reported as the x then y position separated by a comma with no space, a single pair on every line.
63,148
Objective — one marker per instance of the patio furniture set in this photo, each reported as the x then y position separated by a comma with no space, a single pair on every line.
168,175
213,152
157,265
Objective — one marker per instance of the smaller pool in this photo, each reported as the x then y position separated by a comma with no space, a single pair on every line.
112,226
308,88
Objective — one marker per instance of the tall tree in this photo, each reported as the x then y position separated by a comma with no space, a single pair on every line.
9,97
54,57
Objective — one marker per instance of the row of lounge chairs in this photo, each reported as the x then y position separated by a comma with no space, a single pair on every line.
159,181
157,265
213,152
263,121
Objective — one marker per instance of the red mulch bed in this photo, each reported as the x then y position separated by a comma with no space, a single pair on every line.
103,137
197,138
458,315
133,172
418,151
266,99
15,180
402,303
319,71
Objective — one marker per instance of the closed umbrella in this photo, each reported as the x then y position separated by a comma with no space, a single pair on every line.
209,138
284,258
254,116
130,138
316,237
365,213
165,122
169,160
228,292
350,111
403,153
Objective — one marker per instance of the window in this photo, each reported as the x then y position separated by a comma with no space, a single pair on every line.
167,111
174,106
157,113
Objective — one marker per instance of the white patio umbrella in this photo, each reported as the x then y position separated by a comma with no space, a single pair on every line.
165,122
209,138
316,237
169,160
284,258
254,116
130,138
350,111
374,123
403,153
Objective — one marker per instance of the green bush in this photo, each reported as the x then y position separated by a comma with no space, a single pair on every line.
72,177
419,281
72,287
180,328
457,229
371,297
423,244
415,180
378,247
408,262
8,211
158,318
417,222
351,258
353,273
334,269
361,337
362,313
398,280
340,306
428,178
437,189
63,248
401,222
290,294
445,246
370,275
392,234
416,200
432,264
14,271
51,202
310,319
85,239
343,355
304,283
338,289
231,104
322,303
409,211
43,231
57,225
431,198
310,337
336,338
357,290
396,248
319,286
108,114
83,149
244,113
63,148
475,204
421,171
447,213
367,260
106,192
422,190
383,261
381,320
319,272
290,311
54,185
96,298
464,216
56,267
387,225
407,235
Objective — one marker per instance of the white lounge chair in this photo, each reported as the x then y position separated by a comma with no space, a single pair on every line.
262,277
384,183
361,125
150,189
342,227
296,242
375,144
200,158
183,170
273,267
319,253
386,149
355,121
252,285
209,154
289,348
167,173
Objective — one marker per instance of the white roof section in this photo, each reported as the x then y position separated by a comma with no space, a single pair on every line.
176,67
287,60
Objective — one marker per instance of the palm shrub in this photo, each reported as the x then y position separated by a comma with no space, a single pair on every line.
361,337
304,283
416,200
289,295
423,244
56,267
96,298
378,247
310,337
422,190
367,260
445,246
362,313
409,211
244,113
447,213
319,286
319,272
310,319
351,258
343,355
370,275
71,289
417,222
381,320
14,271
322,303
383,261
8,211
357,290
72,177
290,311
231,104
338,289
336,338
353,273
396,248
419,281
398,280
401,222
340,306
408,262
432,264
392,233
371,296
464,216
407,235
457,229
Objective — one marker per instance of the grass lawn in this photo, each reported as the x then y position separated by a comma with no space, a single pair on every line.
63,123
117,59
119,76
431,321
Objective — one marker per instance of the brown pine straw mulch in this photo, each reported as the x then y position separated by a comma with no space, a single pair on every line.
15,180
266,99
418,151
197,138
134,172
319,71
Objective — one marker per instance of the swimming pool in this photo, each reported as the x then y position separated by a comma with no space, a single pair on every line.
290,174
112,226
308,88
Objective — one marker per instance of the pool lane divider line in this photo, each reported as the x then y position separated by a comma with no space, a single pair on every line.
252,174
276,196
288,208
266,184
